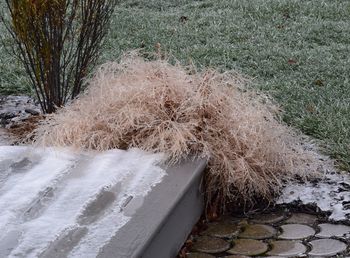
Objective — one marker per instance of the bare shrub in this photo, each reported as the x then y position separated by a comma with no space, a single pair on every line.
58,42
159,107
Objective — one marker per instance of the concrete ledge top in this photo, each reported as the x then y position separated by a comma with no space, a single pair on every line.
58,203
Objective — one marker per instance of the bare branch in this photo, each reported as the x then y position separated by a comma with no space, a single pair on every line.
58,43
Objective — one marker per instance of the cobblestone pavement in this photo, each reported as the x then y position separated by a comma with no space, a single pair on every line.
278,234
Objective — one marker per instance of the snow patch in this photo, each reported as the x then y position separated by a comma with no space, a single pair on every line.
59,194
331,194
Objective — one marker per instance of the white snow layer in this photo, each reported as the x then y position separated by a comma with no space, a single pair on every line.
331,194
49,196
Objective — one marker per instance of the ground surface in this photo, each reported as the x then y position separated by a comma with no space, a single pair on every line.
280,234
296,50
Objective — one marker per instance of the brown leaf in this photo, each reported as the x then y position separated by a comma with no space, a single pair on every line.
291,61
311,108
183,19
318,82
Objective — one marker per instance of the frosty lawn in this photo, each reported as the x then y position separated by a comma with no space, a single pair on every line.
296,50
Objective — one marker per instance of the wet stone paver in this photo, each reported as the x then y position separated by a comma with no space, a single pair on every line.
249,247
329,230
282,234
326,247
258,231
287,248
223,230
207,244
296,231
302,218
268,218
199,255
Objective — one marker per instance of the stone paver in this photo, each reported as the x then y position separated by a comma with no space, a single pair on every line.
268,218
302,218
287,248
258,231
326,247
329,230
199,255
248,247
222,229
296,231
211,245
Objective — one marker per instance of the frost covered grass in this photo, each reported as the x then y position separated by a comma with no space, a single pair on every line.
163,108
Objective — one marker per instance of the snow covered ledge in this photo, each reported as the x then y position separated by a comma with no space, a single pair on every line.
57,203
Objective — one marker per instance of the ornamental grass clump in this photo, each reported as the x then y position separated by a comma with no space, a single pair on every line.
159,107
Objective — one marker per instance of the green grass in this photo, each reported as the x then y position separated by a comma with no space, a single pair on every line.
297,51
13,79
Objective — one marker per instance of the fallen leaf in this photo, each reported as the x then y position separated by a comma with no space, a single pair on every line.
311,108
183,19
319,83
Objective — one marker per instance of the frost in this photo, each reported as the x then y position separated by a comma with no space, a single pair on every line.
330,194
56,199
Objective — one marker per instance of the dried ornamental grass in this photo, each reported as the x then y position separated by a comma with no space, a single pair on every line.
161,108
